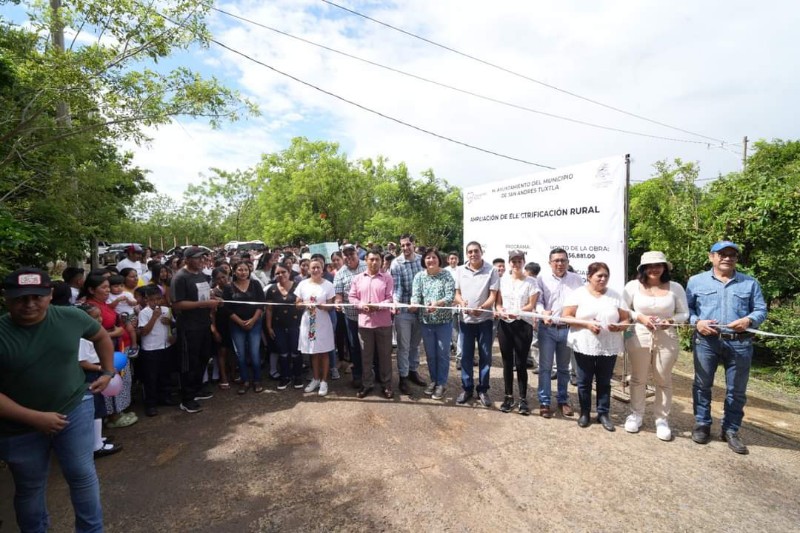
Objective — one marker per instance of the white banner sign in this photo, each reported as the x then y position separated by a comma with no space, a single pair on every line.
579,208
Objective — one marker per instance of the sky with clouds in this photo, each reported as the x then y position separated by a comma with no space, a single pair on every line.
720,69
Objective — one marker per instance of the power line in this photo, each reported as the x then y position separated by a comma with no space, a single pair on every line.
517,74
450,87
360,106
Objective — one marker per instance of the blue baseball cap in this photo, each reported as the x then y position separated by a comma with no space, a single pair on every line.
721,245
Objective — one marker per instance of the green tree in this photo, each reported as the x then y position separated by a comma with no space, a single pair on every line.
760,210
665,214
54,166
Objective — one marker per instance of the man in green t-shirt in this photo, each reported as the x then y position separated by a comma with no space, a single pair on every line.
44,402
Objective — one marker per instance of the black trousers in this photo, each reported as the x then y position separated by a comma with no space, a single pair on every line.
194,350
598,368
154,370
515,341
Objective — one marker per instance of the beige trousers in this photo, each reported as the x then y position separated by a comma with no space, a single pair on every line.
656,350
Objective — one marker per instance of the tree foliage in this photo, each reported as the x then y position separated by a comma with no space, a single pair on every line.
63,109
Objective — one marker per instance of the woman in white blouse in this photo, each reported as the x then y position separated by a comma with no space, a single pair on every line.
656,302
597,340
518,293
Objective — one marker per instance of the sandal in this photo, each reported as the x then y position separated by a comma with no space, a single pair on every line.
257,388
243,387
224,385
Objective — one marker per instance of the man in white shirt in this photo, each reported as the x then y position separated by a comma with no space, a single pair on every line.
133,260
554,287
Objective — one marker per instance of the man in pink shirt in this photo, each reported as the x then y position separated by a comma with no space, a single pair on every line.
374,323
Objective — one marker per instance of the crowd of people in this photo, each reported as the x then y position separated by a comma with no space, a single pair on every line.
199,319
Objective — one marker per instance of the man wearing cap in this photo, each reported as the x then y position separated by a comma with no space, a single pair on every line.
406,323
192,302
723,304
341,287
555,287
133,260
44,402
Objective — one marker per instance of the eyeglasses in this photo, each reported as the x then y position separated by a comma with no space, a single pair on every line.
729,255
559,260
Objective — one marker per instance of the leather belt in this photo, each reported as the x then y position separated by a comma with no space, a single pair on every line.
558,326
735,336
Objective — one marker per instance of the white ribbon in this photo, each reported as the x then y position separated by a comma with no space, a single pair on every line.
555,319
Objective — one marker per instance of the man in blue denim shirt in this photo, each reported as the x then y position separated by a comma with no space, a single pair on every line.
723,304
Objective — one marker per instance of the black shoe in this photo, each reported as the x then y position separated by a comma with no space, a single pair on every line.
464,397
483,397
191,406
529,362
553,375
283,384
203,394
606,422
151,411
298,383
414,378
701,434
107,449
404,386
735,442
168,401
523,407
507,405
364,392
584,420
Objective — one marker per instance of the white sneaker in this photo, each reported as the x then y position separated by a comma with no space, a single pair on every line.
311,387
662,429
335,373
633,423
323,388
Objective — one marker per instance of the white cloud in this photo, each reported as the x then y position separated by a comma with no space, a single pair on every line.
718,68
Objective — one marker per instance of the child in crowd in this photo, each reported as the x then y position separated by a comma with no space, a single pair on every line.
156,350
121,300
73,276
90,363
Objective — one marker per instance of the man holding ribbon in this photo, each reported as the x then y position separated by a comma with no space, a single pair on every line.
723,305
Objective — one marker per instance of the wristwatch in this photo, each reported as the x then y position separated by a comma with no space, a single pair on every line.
109,373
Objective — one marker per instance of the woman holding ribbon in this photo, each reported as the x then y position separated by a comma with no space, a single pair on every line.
595,335
518,294
432,289
245,324
315,298
656,303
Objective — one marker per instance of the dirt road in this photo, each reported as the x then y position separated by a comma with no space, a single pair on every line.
284,461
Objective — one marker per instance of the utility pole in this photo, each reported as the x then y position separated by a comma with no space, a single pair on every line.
744,153
64,120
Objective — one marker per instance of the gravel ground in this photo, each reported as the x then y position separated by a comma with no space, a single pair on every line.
284,460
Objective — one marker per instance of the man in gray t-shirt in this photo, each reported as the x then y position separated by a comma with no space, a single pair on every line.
477,283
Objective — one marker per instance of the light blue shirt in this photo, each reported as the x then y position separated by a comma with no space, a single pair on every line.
710,298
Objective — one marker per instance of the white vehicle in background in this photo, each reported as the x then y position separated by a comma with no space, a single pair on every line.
254,247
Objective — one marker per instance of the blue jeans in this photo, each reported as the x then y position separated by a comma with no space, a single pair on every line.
482,331
436,338
735,356
553,344
247,345
409,335
28,458
354,344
